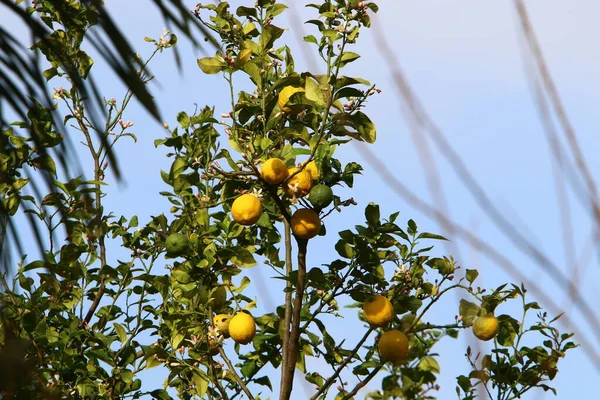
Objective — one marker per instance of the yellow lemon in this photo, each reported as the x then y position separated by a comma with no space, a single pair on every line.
246,209
486,327
274,171
378,311
298,185
242,328
311,167
284,97
393,346
306,223
222,323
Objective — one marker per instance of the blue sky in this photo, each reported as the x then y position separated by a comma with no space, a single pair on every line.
464,61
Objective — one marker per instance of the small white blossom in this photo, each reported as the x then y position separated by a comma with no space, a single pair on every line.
215,334
58,93
257,193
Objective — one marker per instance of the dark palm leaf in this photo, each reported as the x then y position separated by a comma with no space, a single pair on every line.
23,86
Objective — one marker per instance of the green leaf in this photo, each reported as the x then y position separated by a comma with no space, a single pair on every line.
346,58
464,383
269,34
121,333
183,119
427,235
509,327
373,215
313,92
200,382
179,165
471,275
412,227
344,249
356,125
276,9
429,364
468,311
246,12
160,394
243,57
407,304
444,266
211,65
242,258
310,39
264,381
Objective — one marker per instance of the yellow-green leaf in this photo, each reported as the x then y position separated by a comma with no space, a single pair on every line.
211,65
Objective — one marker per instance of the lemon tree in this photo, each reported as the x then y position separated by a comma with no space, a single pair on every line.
254,188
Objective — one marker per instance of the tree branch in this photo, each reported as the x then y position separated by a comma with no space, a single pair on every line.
362,383
292,350
288,301
234,373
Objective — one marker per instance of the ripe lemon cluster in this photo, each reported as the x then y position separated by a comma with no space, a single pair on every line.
393,344
297,182
241,327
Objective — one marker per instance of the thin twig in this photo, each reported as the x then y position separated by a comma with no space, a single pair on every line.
235,374
337,372
362,383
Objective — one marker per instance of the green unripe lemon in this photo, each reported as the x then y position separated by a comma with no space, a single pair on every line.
320,196
219,297
177,244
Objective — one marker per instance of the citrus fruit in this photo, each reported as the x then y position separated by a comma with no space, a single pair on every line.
306,223
242,328
177,244
486,327
284,97
222,323
320,196
274,171
246,209
378,311
311,167
393,346
298,185
213,347
219,298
